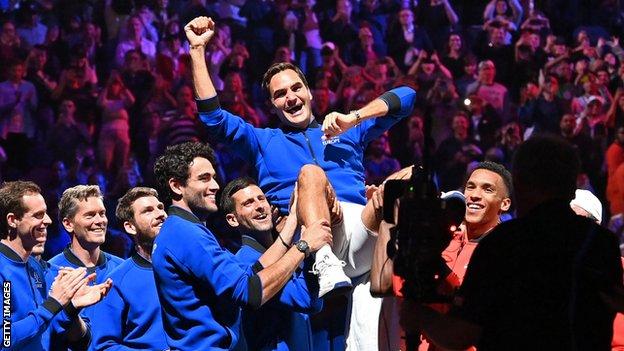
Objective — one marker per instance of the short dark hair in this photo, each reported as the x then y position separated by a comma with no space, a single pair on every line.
279,67
124,211
226,203
176,163
11,201
501,171
547,164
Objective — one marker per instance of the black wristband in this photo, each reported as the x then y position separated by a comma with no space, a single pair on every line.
283,242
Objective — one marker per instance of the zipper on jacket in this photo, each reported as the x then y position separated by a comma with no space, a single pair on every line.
32,289
310,147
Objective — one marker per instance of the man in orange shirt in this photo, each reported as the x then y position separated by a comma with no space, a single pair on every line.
487,194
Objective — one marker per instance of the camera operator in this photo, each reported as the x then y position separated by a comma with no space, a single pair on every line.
541,281
487,194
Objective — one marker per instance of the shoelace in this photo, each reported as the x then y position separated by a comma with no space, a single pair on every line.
320,266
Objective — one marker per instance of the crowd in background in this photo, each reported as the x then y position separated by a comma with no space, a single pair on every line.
93,91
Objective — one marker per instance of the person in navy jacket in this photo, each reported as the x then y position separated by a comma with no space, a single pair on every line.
82,213
129,317
38,302
284,322
201,286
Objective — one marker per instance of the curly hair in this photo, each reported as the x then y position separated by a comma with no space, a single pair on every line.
176,162
11,194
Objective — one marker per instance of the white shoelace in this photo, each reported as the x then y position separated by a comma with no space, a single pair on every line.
320,266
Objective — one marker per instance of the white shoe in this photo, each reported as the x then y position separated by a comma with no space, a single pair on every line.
331,276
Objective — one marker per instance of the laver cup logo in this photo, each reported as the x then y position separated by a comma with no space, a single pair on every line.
6,314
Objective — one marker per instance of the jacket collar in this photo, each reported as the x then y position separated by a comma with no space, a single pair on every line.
140,261
184,214
69,255
9,253
253,243
290,129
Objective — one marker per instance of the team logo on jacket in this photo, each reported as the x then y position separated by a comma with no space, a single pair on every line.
37,280
330,141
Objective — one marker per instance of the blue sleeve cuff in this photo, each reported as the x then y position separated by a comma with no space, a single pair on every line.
52,305
208,105
257,267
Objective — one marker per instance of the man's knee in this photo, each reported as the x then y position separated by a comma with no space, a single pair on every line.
312,175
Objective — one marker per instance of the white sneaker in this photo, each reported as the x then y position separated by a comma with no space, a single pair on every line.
331,276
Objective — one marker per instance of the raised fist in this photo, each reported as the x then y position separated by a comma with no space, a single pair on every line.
199,31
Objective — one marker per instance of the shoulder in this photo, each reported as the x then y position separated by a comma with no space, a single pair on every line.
59,260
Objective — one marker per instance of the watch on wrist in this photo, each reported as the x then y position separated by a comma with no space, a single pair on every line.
303,246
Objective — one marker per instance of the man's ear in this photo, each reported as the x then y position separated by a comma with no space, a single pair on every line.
231,220
130,228
175,186
12,220
68,225
506,204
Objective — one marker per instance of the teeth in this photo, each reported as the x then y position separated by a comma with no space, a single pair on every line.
474,206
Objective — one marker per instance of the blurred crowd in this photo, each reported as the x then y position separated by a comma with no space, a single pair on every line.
93,91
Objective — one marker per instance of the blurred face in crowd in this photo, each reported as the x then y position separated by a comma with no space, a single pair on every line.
344,7
551,86
455,42
148,216
32,227
379,146
428,67
135,27
67,108
415,127
252,211
8,30
487,74
610,59
16,73
470,68
321,98
501,7
532,90
406,17
486,198
53,33
291,98
603,77
185,95
88,225
234,82
567,124
460,127
282,54
497,36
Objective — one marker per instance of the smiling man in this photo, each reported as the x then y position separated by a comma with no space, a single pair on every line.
284,324
129,317
202,286
82,213
42,305
487,194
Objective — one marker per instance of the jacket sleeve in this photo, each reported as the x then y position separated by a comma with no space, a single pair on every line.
300,294
108,327
222,272
229,129
400,103
35,323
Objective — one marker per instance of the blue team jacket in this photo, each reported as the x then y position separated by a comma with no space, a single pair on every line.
279,153
129,316
201,286
34,317
283,323
105,265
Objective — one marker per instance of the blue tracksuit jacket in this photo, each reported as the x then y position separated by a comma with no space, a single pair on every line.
129,316
201,286
278,154
283,323
34,317
105,265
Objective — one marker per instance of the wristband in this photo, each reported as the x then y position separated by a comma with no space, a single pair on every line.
283,242
358,118
196,46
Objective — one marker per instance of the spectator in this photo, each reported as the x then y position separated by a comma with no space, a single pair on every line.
437,18
544,113
379,164
135,40
454,54
493,93
406,40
